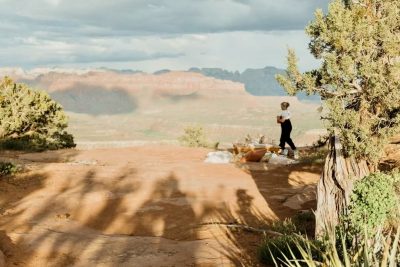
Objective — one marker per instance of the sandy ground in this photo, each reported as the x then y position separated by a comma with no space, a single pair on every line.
143,206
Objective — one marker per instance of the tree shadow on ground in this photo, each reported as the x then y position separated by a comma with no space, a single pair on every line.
95,217
83,219
277,184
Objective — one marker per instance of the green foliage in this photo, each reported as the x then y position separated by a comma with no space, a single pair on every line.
7,168
288,247
194,136
38,143
359,77
283,246
361,239
286,227
368,252
373,201
30,119
301,223
272,249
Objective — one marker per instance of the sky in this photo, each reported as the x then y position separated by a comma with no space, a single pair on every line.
153,35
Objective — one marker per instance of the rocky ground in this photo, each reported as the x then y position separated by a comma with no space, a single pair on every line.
152,205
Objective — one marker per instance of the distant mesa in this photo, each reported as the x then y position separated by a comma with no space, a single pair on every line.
257,82
108,91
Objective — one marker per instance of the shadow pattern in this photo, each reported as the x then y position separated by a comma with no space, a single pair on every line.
95,100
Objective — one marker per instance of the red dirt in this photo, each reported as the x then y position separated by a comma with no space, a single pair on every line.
142,206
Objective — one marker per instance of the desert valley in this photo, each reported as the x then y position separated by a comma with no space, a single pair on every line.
130,194
111,107
187,133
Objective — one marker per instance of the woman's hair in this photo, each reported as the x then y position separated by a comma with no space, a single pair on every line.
285,105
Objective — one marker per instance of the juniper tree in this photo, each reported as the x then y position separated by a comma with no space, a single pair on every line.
32,116
358,45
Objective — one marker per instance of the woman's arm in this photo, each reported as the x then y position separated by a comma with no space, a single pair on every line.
280,119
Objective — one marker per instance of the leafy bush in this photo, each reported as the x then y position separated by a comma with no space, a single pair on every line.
38,143
373,201
194,136
30,119
7,168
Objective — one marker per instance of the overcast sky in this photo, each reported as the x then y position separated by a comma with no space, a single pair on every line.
153,35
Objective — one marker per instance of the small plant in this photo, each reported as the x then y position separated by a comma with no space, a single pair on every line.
194,136
286,227
7,168
273,249
327,253
373,202
286,245
286,248
216,145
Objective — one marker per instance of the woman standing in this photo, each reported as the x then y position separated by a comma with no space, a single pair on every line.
286,126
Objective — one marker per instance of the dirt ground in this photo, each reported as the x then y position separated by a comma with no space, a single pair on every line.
143,206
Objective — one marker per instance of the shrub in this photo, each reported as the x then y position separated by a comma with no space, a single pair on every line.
194,136
288,247
326,253
38,143
272,250
7,168
30,119
286,227
373,201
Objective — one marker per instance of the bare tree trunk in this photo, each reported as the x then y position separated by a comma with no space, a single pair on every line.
335,186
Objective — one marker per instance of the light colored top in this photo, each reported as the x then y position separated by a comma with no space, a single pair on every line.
285,114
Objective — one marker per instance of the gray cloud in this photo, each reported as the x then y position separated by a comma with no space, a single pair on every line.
45,32
161,16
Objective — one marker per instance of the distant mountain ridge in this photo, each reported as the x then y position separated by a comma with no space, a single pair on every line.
258,82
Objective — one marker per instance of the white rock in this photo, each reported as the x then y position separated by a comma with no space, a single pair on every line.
281,160
219,157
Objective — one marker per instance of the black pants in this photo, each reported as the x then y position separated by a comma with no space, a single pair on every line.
285,135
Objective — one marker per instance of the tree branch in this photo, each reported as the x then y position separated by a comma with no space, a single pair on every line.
324,93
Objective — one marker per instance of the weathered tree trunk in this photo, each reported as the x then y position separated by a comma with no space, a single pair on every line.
335,186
